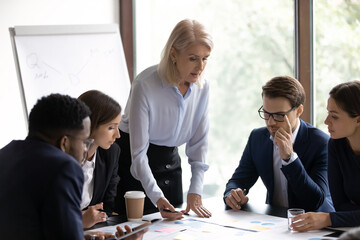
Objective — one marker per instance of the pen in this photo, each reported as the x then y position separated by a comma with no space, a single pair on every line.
167,210
110,213
244,190
243,229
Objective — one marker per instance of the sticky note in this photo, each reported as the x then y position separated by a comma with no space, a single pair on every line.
166,230
184,236
259,228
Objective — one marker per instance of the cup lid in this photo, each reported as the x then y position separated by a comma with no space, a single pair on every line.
134,194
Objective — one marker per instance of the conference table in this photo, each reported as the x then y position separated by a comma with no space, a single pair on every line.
254,221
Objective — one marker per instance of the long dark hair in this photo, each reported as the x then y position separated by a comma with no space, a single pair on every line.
347,97
103,107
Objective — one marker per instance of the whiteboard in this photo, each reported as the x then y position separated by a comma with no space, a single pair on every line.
69,60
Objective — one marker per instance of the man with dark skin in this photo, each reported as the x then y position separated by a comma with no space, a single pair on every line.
41,179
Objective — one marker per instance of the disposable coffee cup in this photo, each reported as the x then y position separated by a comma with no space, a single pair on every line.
134,201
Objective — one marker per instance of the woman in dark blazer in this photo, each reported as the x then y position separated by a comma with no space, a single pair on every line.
101,161
343,123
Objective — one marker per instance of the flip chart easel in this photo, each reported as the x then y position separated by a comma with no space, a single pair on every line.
69,59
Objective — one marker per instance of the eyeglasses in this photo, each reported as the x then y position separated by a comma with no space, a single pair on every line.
87,145
86,142
278,117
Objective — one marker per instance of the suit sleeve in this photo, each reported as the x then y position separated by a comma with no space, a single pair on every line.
245,174
345,219
61,213
310,185
111,189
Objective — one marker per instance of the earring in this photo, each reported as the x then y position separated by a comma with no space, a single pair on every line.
173,62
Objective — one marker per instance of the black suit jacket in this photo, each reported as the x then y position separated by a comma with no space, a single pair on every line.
40,192
106,177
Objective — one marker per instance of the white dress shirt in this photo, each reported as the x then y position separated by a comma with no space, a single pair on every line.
157,113
280,181
88,188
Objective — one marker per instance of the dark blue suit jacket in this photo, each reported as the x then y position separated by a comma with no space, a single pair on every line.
106,177
306,176
40,192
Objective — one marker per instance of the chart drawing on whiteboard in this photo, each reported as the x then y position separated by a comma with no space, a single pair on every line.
71,63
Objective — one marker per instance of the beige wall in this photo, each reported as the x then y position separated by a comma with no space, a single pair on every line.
38,12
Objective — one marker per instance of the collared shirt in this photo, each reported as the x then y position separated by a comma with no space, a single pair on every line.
88,188
280,181
157,113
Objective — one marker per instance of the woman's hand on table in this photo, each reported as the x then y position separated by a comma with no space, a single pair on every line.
167,210
311,221
194,203
91,216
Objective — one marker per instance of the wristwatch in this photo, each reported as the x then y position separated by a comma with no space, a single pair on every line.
293,155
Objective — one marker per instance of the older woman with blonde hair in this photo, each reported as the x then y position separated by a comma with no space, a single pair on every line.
167,107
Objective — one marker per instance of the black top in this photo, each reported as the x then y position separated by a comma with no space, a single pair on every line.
106,177
344,182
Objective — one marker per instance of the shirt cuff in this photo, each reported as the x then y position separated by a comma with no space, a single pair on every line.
293,157
155,196
196,182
